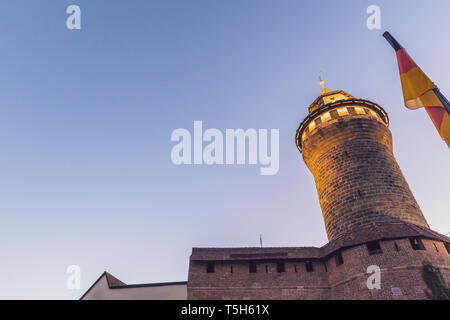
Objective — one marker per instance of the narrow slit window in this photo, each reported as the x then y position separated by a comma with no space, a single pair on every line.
339,259
435,246
309,266
396,246
280,267
252,267
210,267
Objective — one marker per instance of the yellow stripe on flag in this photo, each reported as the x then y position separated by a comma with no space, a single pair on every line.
415,83
428,99
445,129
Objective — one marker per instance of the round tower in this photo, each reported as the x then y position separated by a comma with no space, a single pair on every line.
347,145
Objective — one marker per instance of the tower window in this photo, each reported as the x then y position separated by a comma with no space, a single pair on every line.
325,265
339,259
334,114
373,113
267,269
280,267
342,111
374,247
295,268
210,267
231,269
325,117
447,246
252,267
351,110
359,110
416,244
309,266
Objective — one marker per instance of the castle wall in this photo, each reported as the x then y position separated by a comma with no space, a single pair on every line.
401,276
262,285
400,267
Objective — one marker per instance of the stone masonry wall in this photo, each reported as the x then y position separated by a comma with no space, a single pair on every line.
400,276
357,177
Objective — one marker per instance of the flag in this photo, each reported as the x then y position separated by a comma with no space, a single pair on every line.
420,92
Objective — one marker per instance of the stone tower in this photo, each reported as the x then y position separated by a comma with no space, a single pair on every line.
372,220
347,145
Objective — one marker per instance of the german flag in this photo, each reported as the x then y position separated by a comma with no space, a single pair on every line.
419,91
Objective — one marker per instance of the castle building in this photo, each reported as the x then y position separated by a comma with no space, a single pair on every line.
371,217
374,225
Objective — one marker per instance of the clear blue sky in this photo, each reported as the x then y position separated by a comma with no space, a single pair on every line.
86,118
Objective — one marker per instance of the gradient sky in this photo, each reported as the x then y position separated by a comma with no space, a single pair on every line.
86,118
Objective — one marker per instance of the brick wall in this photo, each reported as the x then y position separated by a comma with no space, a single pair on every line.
400,275
357,177
270,284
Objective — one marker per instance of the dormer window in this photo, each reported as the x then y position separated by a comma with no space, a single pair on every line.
416,244
374,247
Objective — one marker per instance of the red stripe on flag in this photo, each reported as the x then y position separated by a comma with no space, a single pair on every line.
437,114
405,63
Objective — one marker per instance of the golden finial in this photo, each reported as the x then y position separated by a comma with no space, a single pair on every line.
322,83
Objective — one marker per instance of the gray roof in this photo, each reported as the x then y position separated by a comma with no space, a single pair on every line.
367,233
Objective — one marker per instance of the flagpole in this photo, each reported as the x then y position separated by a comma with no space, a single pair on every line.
394,43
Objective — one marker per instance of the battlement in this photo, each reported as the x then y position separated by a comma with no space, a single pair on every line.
330,272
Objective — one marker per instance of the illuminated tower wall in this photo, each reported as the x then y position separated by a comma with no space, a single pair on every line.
347,145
